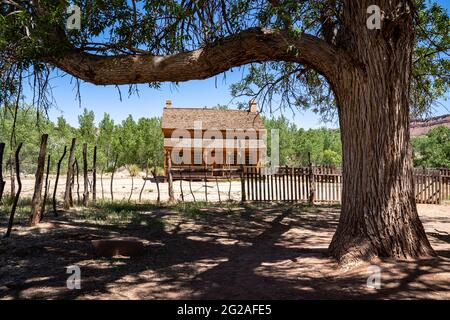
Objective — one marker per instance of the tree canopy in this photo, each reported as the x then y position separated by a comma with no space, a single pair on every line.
180,40
132,142
433,150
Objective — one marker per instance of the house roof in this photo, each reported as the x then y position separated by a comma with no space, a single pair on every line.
220,119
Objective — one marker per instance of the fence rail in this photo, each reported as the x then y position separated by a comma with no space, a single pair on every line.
323,184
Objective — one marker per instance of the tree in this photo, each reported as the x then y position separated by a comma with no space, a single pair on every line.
87,126
331,157
433,150
327,48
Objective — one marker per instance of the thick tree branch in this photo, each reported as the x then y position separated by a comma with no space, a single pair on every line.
253,45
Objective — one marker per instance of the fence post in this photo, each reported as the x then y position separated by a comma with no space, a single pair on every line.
17,195
94,176
68,192
243,198
36,201
170,178
206,183
312,182
58,170
2,182
181,184
46,187
85,177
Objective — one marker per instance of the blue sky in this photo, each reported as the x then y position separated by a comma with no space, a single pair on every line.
150,102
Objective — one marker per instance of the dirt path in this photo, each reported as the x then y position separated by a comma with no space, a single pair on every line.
266,253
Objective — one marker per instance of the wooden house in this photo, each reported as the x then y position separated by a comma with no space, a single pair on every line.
214,142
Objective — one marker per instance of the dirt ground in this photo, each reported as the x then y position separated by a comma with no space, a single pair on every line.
274,252
123,184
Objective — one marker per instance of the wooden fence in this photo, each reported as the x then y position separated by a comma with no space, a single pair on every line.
445,183
427,184
323,184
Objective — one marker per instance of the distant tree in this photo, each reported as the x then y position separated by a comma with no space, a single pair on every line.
331,157
86,129
104,141
433,150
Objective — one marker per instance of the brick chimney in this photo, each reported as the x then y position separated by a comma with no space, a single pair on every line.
168,104
252,107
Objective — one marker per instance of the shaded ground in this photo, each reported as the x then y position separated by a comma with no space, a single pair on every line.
236,252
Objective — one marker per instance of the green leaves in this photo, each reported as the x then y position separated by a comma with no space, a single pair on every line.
431,64
295,143
433,150
33,32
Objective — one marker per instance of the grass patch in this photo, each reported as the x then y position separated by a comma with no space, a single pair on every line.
22,211
123,217
119,206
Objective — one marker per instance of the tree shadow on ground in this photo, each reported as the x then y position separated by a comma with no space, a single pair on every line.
271,252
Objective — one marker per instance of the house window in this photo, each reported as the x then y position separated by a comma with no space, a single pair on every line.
250,159
230,158
247,159
198,158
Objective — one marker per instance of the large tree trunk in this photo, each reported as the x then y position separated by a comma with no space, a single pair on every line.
379,215
36,201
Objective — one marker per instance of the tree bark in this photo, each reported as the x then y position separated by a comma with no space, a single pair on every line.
58,170
379,215
2,181
85,177
68,192
17,195
252,45
36,201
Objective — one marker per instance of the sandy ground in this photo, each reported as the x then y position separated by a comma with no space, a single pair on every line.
278,252
122,186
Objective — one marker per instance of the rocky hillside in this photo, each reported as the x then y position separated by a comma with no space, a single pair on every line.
421,127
